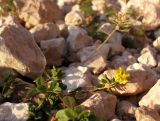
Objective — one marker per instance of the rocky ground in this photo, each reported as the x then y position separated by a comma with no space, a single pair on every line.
86,39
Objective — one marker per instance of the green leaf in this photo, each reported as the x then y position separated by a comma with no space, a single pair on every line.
6,89
53,85
56,74
84,114
40,102
50,101
69,101
32,92
85,6
57,88
66,115
41,88
79,108
39,81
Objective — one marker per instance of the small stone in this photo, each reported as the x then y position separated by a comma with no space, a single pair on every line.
148,57
14,112
102,104
151,99
38,12
149,9
45,31
78,38
54,50
124,60
74,18
96,59
157,33
156,43
76,77
126,110
115,49
146,114
116,120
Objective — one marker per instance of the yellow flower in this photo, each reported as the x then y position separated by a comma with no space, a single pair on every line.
121,76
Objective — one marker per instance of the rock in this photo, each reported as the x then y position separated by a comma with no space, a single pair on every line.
99,5
78,38
126,110
95,59
19,51
116,38
146,114
77,77
156,43
115,49
84,53
140,81
41,11
157,69
74,18
106,28
149,9
124,60
1,99
147,57
54,50
63,28
151,99
116,120
14,112
157,33
102,104
45,31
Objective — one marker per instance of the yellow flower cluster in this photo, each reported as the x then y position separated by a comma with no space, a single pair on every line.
121,76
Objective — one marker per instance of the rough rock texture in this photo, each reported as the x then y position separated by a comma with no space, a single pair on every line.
124,60
1,99
115,49
95,59
148,56
74,18
14,112
146,114
19,51
149,9
45,31
139,82
126,110
157,33
102,104
151,99
78,38
77,77
39,11
54,50
156,43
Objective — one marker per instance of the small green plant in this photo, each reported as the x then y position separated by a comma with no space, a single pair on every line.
7,7
78,113
46,95
8,86
121,77
72,112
